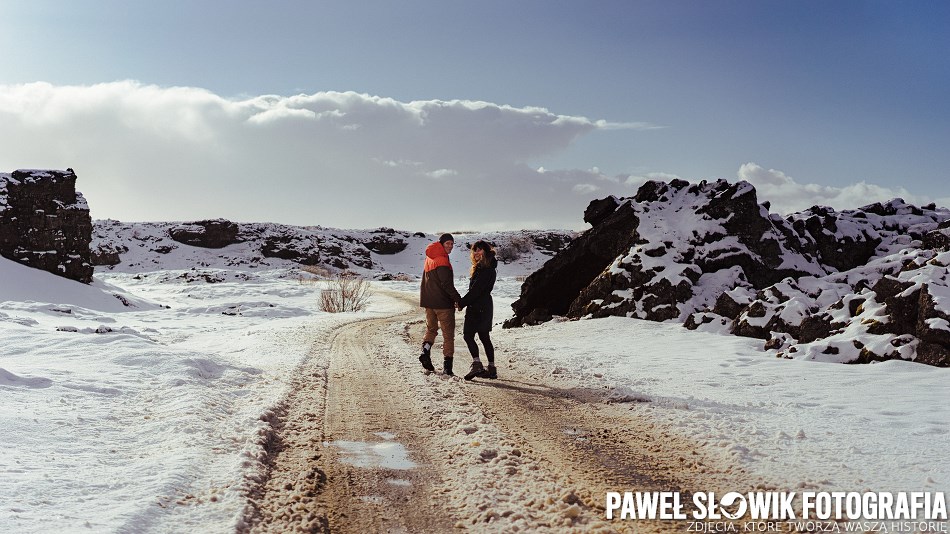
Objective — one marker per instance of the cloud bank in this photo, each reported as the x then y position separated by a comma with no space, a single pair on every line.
786,195
343,159
144,152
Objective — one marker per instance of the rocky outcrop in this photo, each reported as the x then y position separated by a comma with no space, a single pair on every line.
896,307
553,288
287,246
387,241
852,286
45,223
892,306
213,233
669,251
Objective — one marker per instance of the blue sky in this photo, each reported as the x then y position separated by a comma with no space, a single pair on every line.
814,102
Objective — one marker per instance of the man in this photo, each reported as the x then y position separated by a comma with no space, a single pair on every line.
439,298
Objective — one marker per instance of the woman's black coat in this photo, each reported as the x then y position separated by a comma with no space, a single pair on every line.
478,302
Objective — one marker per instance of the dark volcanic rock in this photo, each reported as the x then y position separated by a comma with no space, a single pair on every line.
938,240
387,241
814,327
933,354
108,255
598,210
45,223
819,232
692,243
553,288
291,247
551,242
727,306
213,233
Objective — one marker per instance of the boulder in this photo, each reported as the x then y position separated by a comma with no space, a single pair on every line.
688,244
555,286
933,354
728,306
815,327
386,241
108,255
551,242
211,233
938,239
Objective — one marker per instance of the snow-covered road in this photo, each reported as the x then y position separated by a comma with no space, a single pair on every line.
366,442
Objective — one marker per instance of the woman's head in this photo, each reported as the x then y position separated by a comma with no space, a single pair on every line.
482,254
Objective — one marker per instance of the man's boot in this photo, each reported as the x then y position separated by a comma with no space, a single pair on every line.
447,365
425,359
491,372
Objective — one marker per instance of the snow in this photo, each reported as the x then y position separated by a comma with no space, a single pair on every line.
146,412
796,423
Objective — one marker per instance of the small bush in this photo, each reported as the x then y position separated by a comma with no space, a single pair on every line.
507,254
347,291
514,249
316,272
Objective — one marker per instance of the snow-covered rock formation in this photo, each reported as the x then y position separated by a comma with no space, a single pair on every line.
45,223
852,286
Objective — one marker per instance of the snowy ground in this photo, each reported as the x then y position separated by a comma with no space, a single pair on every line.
880,427
149,418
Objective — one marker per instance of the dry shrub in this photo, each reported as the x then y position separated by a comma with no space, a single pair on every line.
514,249
347,291
317,273
317,270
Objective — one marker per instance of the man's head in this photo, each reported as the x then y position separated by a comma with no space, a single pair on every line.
447,242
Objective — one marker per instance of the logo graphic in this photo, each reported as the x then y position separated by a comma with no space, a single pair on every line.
733,501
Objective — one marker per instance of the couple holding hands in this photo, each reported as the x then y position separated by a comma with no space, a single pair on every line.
440,299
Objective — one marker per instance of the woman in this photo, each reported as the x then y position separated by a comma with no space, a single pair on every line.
478,316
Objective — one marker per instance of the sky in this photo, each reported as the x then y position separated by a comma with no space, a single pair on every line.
451,116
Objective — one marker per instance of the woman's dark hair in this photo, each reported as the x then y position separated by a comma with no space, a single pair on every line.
489,254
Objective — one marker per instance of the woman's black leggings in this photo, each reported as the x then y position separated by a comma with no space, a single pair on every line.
485,338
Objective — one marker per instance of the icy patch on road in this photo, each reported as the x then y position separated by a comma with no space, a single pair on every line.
384,455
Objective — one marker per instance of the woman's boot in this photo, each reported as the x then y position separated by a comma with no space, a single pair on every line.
477,370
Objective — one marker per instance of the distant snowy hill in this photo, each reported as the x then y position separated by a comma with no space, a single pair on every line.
380,253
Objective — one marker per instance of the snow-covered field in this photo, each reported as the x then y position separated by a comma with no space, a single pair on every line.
148,418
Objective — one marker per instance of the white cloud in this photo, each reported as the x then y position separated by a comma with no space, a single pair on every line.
586,188
345,159
441,173
786,195
604,125
144,152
